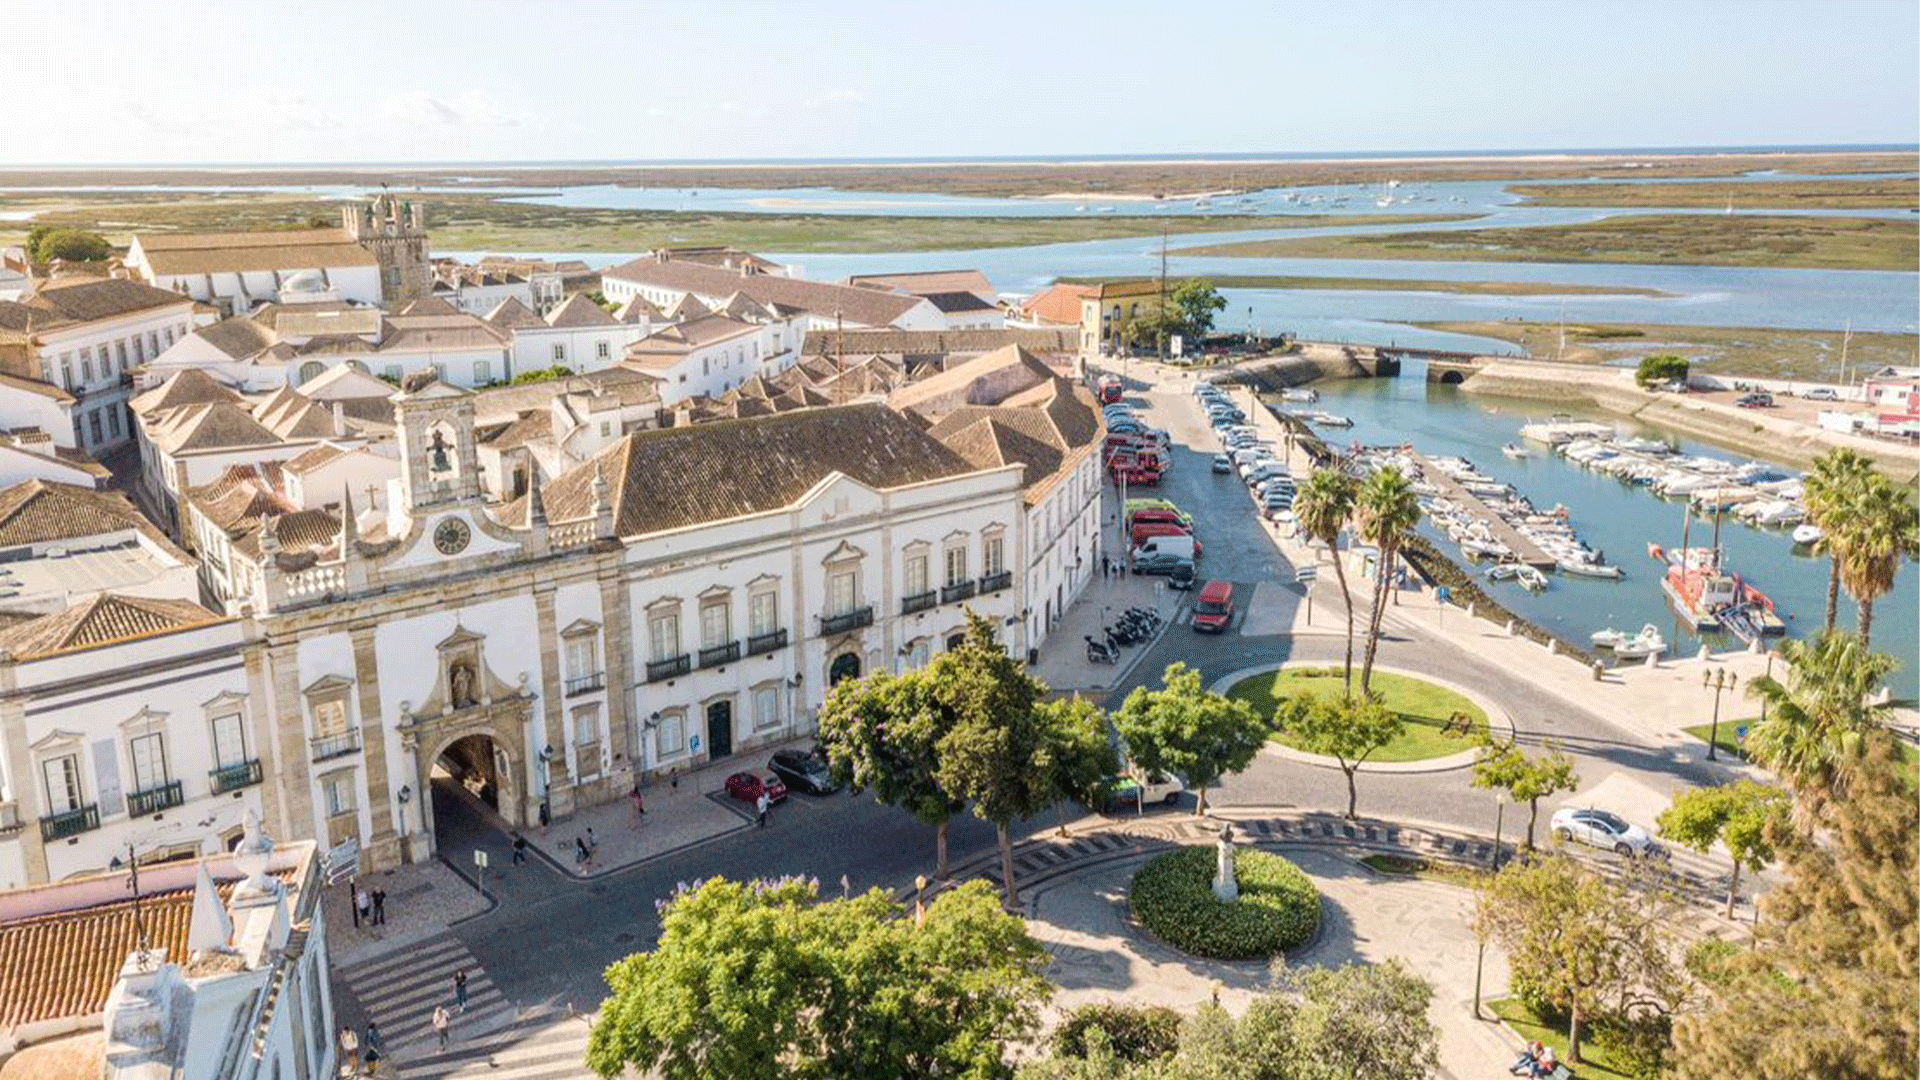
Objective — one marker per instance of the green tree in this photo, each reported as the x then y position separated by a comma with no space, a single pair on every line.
1324,508
883,732
1816,718
1882,532
1133,1032
1195,302
540,375
1190,732
1739,815
1506,767
1593,946
766,979
1360,1021
1388,511
1829,986
1348,730
46,244
1000,752
1831,490
1654,370
1083,751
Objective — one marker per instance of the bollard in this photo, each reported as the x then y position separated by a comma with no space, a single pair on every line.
1599,671
1470,606
1756,646
1705,654
1553,646
1653,659
1509,627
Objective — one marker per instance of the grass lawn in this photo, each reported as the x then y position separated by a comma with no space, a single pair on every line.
1425,707
1730,746
1410,866
1594,1061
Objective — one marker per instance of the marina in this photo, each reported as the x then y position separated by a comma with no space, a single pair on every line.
1466,502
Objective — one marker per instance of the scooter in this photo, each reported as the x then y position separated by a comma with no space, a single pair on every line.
1100,654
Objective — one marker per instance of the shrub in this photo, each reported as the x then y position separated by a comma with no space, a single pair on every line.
1538,1001
1707,960
1278,909
1636,1045
74,244
1660,369
1137,1033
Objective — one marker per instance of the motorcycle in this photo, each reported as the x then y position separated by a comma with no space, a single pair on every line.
1100,654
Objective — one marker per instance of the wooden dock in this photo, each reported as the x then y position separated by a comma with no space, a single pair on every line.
1523,549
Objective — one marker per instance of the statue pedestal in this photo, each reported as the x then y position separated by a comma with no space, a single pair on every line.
1226,885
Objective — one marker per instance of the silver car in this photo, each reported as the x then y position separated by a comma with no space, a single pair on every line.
1603,830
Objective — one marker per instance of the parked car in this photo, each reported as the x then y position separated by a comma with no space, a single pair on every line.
1181,577
1130,793
802,771
1213,609
1222,463
1820,393
747,786
1163,562
1756,400
1603,830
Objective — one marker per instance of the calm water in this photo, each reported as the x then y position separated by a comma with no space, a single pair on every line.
1610,516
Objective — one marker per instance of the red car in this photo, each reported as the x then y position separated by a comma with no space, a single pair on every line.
747,786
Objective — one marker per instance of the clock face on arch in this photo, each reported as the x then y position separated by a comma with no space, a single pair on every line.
451,536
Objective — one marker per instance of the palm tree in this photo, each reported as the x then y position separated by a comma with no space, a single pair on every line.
1882,531
1388,511
1831,487
1324,507
1816,717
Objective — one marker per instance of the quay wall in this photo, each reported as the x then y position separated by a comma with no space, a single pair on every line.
1752,432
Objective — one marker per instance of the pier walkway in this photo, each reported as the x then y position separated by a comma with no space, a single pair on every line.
1523,549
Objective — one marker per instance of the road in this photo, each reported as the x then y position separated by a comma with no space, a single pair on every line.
551,937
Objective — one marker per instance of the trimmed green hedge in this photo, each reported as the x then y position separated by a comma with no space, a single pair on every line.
1278,909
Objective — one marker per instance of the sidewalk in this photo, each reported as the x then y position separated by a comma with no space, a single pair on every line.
679,815
422,900
1063,660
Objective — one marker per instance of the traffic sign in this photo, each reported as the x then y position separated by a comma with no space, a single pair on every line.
1305,574
479,858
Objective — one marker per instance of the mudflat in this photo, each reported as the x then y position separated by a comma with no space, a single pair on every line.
1821,243
1473,288
1813,355
1770,195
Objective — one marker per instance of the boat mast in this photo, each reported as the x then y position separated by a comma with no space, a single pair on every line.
1686,527
1716,536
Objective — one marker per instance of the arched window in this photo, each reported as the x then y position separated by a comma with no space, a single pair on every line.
845,666
311,369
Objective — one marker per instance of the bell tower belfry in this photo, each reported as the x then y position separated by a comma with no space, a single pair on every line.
396,233
439,462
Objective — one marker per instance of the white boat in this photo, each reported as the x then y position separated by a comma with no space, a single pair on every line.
1647,642
1502,571
1808,533
1608,638
1589,568
1531,579
1488,549
1300,393
1514,450
1324,419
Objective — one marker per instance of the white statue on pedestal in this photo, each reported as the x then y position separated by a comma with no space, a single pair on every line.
1225,885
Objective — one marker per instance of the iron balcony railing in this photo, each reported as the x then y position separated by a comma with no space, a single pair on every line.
852,620
333,746
919,602
236,776
586,684
766,643
951,593
154,799
996,582
668,668
720,654
69,823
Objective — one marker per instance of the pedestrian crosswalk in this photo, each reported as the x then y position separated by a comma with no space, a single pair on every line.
400,990
550,1049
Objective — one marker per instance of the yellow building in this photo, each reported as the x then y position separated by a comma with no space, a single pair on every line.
1107,312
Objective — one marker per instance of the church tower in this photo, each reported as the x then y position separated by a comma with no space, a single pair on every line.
396,233
439,461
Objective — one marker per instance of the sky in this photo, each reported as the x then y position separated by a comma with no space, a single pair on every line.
343,81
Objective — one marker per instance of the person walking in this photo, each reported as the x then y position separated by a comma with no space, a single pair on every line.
593,845
441,1023
375,1048
350,1048
519,849
460,990
639,807
761,805
579,851
353,903
363,903
379,907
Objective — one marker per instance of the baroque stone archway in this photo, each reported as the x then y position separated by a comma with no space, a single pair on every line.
503,725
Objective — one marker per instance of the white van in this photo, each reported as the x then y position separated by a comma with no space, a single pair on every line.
1177,546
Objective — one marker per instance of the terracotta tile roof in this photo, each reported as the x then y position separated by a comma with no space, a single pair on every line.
870,307
1059,303
456,331
239,338
72,302
511,314
579,312
637,309
191,386
676,340
534,426
928,282
938,342
63,964
215,425
293,249
429,305
312,459
35,387
37,511
682,476
102,619
987,379
1050,429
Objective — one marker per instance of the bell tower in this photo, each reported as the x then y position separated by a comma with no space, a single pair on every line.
396,233
439,462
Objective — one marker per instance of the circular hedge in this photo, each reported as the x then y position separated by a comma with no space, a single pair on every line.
1278,909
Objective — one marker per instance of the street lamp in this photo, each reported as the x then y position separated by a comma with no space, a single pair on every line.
1763,698
1717,680
1499,819
920,900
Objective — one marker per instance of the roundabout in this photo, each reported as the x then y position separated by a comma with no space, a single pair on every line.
1277,908
1443,721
